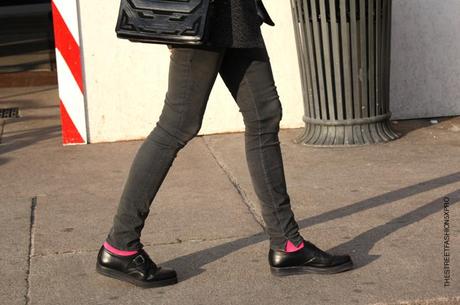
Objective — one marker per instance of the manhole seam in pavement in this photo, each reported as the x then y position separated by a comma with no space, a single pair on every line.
6,113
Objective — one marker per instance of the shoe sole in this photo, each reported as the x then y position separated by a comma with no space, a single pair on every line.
123,277
284,271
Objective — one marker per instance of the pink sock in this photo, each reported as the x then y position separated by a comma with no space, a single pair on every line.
290,247
118,252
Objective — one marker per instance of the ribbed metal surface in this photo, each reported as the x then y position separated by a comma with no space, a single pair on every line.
343,50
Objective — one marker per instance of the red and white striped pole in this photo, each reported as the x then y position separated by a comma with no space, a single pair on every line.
69,70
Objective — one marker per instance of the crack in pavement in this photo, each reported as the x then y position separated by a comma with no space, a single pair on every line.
31,248
234,181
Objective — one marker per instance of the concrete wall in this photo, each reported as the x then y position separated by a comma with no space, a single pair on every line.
126,82
425,70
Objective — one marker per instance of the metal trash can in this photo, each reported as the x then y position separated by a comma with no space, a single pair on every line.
343,49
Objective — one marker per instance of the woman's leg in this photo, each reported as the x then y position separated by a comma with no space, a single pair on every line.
192,74
248,75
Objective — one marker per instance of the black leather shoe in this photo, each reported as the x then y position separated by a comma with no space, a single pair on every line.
309,259
137,269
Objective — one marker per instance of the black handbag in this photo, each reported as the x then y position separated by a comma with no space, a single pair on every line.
163,21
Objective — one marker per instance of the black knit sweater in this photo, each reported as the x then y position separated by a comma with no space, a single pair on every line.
234,23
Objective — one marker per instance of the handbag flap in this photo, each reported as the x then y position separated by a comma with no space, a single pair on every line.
162,20
166,6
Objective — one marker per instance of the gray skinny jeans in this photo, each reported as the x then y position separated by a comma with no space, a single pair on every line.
193,70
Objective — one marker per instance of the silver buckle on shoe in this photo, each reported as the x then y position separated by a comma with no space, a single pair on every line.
139,260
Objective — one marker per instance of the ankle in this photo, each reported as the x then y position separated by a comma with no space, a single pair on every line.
118,251
290,247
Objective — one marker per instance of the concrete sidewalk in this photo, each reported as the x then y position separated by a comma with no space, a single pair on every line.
382,204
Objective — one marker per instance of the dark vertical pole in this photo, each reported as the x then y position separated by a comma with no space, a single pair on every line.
303,65
363,67
355,59
311,59
371,48
319,59
346,59
327,60
337,61
378,57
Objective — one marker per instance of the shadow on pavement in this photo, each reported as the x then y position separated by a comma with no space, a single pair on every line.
363,242
27,138
24,92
